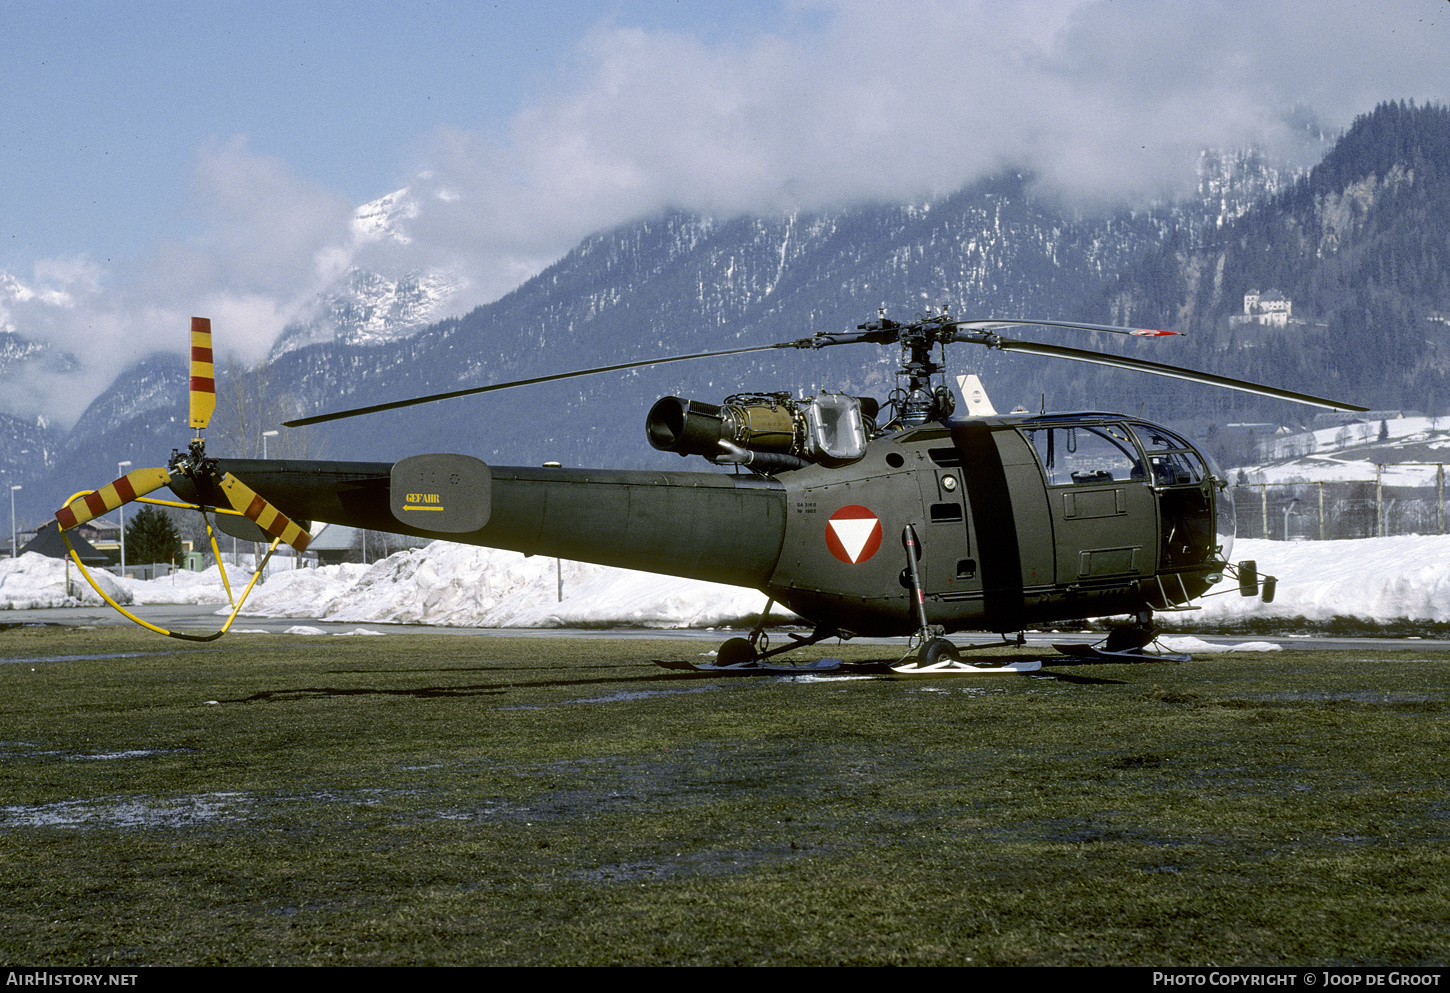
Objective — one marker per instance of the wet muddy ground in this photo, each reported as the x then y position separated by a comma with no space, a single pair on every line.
417,799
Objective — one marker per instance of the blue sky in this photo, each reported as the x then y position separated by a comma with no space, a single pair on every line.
160,159
106,103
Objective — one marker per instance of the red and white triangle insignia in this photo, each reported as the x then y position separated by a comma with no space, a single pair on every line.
853,534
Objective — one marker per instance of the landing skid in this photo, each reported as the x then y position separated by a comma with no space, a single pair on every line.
1090,655
752,668
1125,644
956,667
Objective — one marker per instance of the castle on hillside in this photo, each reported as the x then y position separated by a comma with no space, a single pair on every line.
1271,308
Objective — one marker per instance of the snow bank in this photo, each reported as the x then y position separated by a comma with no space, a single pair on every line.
462,586
1372,579
35,581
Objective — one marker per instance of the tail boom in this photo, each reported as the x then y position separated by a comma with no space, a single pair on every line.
701,525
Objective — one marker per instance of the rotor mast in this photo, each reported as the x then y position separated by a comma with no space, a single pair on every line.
922,401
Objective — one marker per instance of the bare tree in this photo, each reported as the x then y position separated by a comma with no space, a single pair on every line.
246,407
369,546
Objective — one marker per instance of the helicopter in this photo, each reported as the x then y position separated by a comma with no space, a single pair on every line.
896,519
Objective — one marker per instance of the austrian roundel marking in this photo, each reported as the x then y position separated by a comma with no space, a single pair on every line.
853,534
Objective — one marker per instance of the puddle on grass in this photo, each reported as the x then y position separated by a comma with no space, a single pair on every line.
79,658
1077,831
962,690
667,783
1357,696
629,696
189,811
623,696
184,811
135,753
30,750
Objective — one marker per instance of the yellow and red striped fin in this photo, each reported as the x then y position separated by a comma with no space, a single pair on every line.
130,486
203,373
245,501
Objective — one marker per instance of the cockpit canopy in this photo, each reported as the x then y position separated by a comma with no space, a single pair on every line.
1088,449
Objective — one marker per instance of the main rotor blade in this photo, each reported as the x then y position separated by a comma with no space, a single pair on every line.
1075,325
1174,372
396,404
134,484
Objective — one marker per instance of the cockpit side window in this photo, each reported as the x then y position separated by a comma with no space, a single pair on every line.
1082,455
1173,461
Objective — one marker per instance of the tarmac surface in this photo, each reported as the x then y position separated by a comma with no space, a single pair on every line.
204,618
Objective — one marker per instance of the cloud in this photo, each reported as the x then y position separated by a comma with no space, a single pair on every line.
1104,101
267,243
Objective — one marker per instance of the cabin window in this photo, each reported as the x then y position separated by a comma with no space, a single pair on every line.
1083,455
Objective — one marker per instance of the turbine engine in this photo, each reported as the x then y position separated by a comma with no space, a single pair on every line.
770,432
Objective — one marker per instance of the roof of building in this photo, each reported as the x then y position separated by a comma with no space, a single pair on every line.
334,538
50,544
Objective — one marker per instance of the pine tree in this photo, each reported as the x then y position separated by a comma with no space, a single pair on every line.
152,537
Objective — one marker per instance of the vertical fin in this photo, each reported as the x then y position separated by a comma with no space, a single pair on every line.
974,395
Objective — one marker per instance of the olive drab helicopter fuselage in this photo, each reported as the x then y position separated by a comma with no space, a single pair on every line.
931,524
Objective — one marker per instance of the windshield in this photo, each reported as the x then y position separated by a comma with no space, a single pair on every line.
1173,461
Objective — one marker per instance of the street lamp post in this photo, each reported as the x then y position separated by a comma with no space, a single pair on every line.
1287,511
558,563
121,471
256,549
14,552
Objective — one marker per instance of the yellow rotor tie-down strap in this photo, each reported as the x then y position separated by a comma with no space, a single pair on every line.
182,635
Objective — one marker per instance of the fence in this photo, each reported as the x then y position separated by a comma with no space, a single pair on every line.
1405,498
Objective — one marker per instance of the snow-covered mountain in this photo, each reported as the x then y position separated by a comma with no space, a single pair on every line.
20,353
682,283
157,382
666,285
28,451
367,308
28,445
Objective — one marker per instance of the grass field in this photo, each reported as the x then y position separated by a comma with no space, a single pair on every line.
431,800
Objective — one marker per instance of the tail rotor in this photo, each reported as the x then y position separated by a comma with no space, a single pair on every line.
193,466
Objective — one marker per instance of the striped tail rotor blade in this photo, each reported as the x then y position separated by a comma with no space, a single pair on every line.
130,486
203,373
245,501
